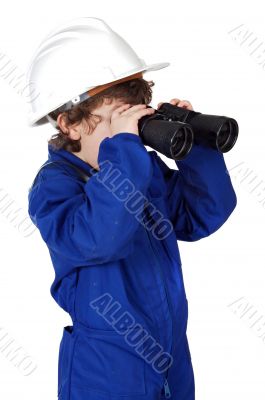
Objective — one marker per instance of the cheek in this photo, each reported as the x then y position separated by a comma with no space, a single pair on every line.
102,130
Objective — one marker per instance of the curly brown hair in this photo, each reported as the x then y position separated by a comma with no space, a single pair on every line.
135,91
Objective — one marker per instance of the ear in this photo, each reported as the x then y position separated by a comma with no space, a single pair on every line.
72,131
61,123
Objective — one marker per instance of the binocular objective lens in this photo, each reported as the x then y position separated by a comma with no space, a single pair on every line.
227,136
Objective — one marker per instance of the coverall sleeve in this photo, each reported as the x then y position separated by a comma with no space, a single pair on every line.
91,224
200,195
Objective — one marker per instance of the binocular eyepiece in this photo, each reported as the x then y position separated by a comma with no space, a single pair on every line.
172,130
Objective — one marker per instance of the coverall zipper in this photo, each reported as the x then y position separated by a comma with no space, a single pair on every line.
166,385
166,389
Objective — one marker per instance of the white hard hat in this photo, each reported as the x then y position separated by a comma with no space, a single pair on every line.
78,55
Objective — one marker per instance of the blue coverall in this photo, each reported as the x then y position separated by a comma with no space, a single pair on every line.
120,281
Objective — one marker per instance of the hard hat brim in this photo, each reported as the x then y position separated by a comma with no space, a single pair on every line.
36,119
155,67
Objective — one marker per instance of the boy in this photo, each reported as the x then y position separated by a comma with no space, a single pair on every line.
98,202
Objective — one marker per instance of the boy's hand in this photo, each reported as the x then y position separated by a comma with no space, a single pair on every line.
125,118
179,103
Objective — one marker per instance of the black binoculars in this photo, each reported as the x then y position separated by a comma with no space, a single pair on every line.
172,131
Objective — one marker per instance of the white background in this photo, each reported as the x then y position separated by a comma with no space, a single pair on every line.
209,67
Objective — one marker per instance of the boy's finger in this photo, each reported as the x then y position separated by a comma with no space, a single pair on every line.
123,106
185,104
134,108
146,111
118,110
174,102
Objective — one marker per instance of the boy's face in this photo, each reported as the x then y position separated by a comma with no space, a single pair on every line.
90,142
